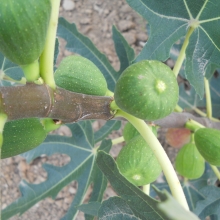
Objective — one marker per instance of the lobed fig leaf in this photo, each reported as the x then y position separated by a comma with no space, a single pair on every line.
207,141
78,74
178,137
23,29
189,162
137,162
22,135
147,90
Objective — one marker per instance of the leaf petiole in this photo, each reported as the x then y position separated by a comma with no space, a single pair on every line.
182,54
208,99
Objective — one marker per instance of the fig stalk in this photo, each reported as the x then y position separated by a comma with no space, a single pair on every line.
3,119
216,171
118,140
161,155
146,189
47,57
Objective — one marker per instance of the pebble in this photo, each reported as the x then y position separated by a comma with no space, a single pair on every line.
142,36
85,21
72,190
68,5
125,8
68,200
130,37
125,25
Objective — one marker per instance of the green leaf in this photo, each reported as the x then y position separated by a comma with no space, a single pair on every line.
214,83
200,54
78,43
169,24
116,208
91,208
191,188
80,148
106,129
10,69
188,99
211,204
143,206
172,209
125,53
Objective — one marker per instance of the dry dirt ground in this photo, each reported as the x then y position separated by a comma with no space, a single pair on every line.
94,18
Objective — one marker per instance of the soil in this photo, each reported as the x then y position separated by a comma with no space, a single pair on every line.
94,19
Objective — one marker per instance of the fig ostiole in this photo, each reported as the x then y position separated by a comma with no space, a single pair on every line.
137,162
147,89
78,74
207,141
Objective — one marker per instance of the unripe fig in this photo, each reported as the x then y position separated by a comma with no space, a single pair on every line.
147,90
23,29
129,132
78,74
137,162
189,162
208,144
177,137
22,135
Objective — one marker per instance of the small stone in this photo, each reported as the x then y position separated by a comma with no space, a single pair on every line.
88,11
68,200
125,25
72,190
23,166
142,37
68,5
125,8
85,21
130,37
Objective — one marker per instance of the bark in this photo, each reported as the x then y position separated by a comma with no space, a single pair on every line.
41,101
178,120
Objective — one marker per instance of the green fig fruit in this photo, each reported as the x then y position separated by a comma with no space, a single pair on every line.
78,74
22,135
147,90
129,132
137,162
207,141
23,29
189,162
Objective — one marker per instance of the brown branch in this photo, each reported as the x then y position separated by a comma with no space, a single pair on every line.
178,120
41,101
